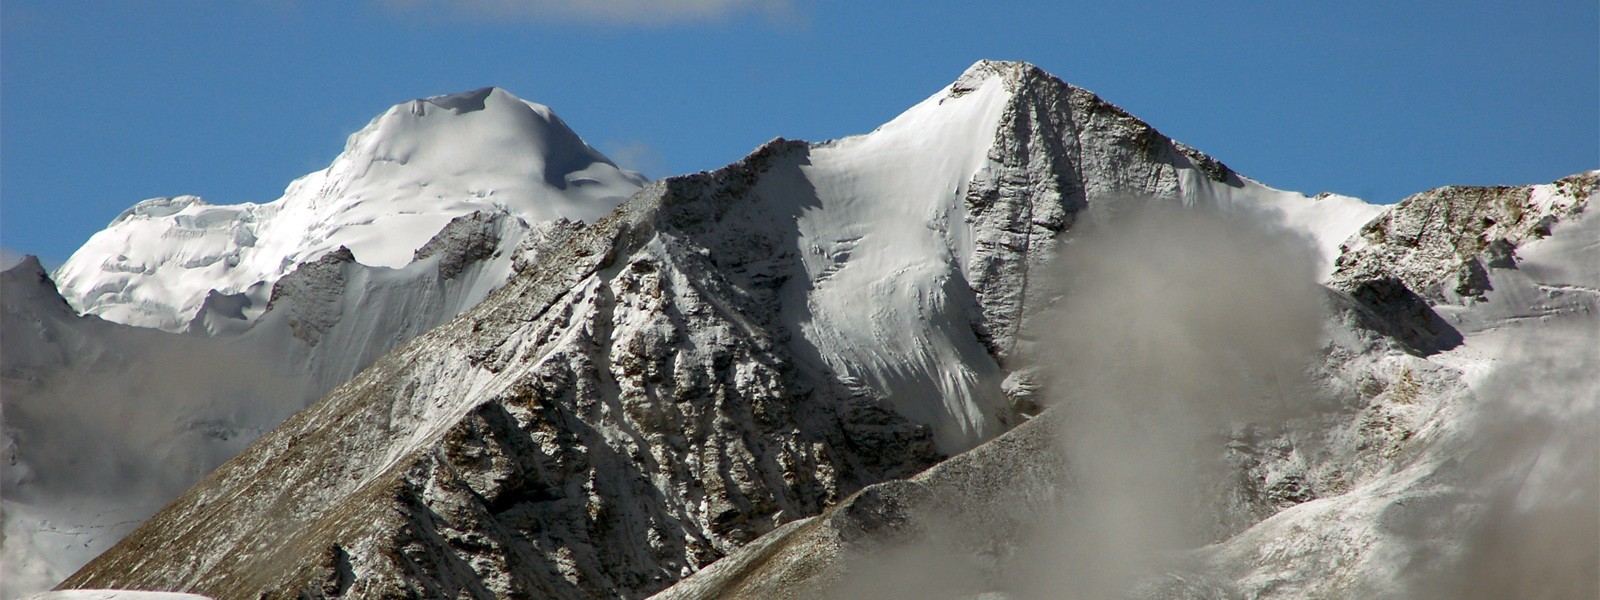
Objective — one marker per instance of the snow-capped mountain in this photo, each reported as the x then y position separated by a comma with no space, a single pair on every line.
262,343
725,353
397,183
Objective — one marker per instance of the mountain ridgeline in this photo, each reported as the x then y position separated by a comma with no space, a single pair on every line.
864,329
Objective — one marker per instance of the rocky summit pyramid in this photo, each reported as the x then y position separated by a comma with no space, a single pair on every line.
730,353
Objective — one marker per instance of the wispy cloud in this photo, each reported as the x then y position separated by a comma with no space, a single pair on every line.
636,13
636,156
1173,327
9,258
1524,521
1167,329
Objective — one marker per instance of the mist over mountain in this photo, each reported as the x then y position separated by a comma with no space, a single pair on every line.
1014,343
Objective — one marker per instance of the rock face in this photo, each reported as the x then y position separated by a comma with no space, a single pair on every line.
981,504
1440,243
1437,247
725,353
310,296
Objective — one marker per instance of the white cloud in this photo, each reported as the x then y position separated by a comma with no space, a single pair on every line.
614,12
636,156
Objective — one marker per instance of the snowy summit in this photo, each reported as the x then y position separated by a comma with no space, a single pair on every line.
397,183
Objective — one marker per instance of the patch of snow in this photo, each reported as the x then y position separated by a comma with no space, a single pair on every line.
881,247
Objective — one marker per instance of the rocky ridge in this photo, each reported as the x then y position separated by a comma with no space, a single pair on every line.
1441,243
574,405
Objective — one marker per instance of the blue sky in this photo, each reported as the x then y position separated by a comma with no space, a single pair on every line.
106,103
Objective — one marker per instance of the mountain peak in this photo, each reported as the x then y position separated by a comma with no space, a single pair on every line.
28,264
435,130
1010,69
1013,74
27,285
727,351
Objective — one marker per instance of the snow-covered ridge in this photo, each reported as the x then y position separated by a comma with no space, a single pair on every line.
397,183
